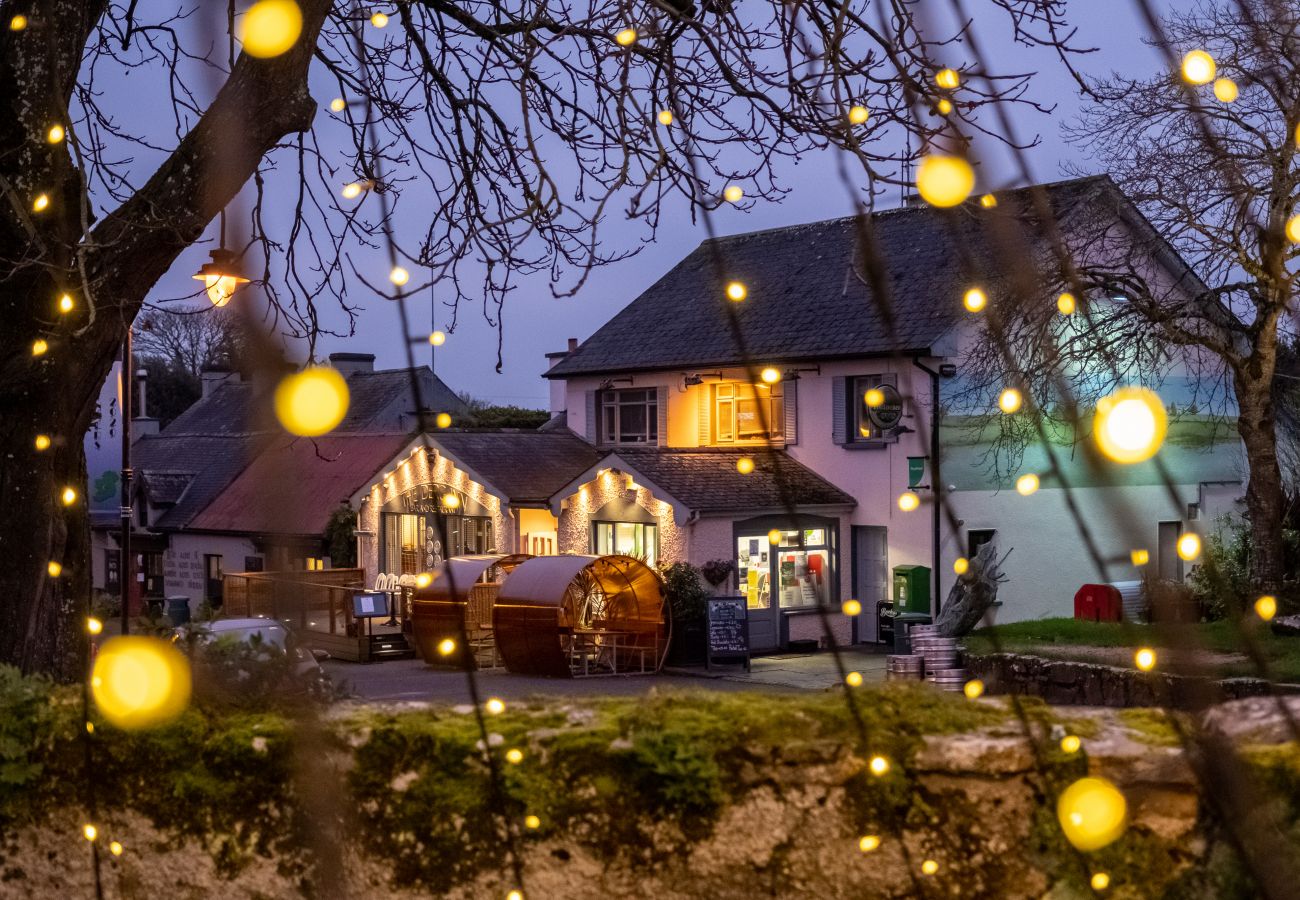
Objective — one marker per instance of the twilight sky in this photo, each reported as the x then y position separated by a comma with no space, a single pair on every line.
536,323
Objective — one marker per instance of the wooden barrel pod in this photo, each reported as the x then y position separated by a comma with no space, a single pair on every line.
457,605
564,616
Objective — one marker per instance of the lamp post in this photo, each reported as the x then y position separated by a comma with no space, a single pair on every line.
126,571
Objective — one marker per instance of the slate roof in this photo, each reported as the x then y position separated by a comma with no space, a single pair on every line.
527,466
215,460
806,300
706,480
164,488
295,484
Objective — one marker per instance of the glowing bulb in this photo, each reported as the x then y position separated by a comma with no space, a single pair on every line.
974,300
774,537
1100,881
1092,813
948,79
90,831
988,201
874,397
1009,400
858,115
733,193
514,756
532,822
423,580
929,867
1065,304
39,347
1266,607
851,608
351,191
961,565
770,375
1189,546
311,402
1139,556
338,104
626,37
42,442
41,202
736,291
270,27
115,848
443,420
1071,743
944,180
515,895
399,276
1293,226
94,626
495,706
868,842
1027,484
878,765
908,501
139,682
1145,659
853,679
69,496
665,117
379,20
56,134
1225,90
65,304
18,23
54,568
944,106
745,465
1198,67
973,689
1129,425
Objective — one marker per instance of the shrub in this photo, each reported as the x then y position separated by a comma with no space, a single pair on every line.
1220,584
686,595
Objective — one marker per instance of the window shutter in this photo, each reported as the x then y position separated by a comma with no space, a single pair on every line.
592,426
839,416
704,413
790,406
661,407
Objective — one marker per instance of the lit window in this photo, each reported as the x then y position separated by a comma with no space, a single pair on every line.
748,412
875,409
628,538
629,416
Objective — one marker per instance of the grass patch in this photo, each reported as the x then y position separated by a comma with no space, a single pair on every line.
1150,726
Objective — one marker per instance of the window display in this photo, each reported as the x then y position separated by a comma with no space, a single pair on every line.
629,538
799,575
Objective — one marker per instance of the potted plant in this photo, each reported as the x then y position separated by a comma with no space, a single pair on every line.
686,605
717,572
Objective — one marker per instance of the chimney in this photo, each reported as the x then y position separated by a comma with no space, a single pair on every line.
142,423
559,400
215,376
349,364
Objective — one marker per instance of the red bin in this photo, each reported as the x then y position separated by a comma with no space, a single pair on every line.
1099,603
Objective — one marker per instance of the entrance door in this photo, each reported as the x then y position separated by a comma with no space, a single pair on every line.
1170,564
214,584
870,577
754,571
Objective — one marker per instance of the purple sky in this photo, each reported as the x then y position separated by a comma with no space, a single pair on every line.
536,323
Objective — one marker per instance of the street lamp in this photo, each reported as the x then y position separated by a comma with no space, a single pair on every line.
221,276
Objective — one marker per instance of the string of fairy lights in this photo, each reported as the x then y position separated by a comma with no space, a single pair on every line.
138,682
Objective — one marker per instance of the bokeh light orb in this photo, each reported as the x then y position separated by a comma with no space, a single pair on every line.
908,501
140,682
851,607
1145,659
1065,304
733,194
961,565
770,375
853,679
1189,546
1100,881
944,180
665,117
774,536
1293,229
744,465
270,28
311,402
736,291
874,397
1009,400
443,420
948,79
1225,90
878,766
973,689
1092,813
974,300
1198,67
868,843
858,115
1027,484
1139,556
1129,425
1071,743
1266,607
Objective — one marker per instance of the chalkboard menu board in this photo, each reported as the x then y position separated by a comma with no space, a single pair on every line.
728,630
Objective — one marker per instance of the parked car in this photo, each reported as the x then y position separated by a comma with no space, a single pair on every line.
239,642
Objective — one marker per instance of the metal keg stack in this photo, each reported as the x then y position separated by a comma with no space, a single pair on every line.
940,655
904,668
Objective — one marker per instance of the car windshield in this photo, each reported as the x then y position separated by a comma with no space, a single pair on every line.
269,634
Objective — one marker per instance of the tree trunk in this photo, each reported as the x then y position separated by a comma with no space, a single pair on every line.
1264,500
971,596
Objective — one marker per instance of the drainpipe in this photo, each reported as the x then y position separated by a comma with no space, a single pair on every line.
935,481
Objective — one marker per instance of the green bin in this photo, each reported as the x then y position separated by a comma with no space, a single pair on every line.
912,590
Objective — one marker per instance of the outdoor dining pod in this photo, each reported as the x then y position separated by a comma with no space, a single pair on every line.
567,616
457,605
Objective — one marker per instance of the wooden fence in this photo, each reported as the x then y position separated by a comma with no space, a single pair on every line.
317,604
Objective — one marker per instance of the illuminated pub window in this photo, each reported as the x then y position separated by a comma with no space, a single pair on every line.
629,416
747,412
417,532
796,574
629,538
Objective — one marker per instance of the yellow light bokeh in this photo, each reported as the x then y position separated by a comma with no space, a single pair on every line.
379,20
423,580
1092,813
89,832
736,291
450,500
115,848
1266,607
1009,400
41,203
1129,425
874,397
988,201
774,537
270,28
311,402
66,303
56,134
973,689
929,867
495,706
515,895
514,756
868,843
446,646
42,442
18,23
1071,743
944,106
338,104
1027,484
745,465
908,501
94,626
1293,228
853,679
770,375
878,765
55,568
733,193
851,607
961,565
944,180
1139,556
858,115
1225,90
1189,546
352,190
1065,304
399,276
948,79
39,347
532,822
1198,67
443,420
69,496
1145,659
665,117
437,338
974,300
140,682
626,37
1100,881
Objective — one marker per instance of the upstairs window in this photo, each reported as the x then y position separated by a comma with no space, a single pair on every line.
871,412
746,413
629,416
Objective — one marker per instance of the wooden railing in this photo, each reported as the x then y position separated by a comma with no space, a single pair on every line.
316,603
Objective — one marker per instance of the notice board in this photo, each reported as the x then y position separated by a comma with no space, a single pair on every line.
728,631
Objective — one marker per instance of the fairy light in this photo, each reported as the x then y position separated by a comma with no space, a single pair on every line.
973,689
1293,223
1099,881
311,402
961,565
94,626
1071,743
851,607
868,843
1145,659
874,397
437,338
1139,556
55,568
1198,67
270,28
69,496
1225,90
929,867
745,465
446,647
1189,546
39,346
495,706
66,303
338,104
56,134
42,442
944,180
1092,813
140,682
908,501
770,375
626,37
733,193
944,106
514,756
532,822
1009,400
379,20
878,766
1266,607
18,23
665,117
774,536
974,300
443,420
352,191
1129,425
41,203
1065,304
115,848
988,201
1027,484
423,580
515,895
736,291
853,679
399,276
948,79
858,115
90,832
450,500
